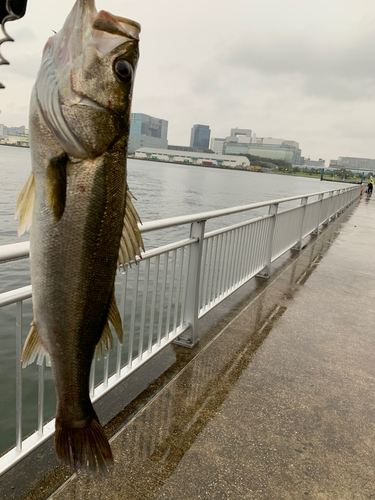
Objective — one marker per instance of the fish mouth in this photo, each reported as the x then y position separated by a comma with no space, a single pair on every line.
109,31
117,25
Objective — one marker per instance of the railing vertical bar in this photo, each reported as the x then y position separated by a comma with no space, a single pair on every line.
133,316
171,289
162,297
237,272
124,284
153,302
183,303
250,256
41,397
144,309
241,274
178,291
92,378
106,369
238,256
203,272
218,267
247,251
213,271
225,261
262,243
19,376
206,271
233,260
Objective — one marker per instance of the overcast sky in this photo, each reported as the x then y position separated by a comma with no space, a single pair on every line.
301,70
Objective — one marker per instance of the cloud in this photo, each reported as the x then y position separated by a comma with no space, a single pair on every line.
326,70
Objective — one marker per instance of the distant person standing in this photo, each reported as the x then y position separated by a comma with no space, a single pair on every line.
370,186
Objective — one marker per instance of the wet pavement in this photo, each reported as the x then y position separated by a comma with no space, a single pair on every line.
276,404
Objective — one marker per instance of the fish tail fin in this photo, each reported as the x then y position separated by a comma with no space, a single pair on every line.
25,205
85,448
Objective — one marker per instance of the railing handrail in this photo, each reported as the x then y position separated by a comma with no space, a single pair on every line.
16,251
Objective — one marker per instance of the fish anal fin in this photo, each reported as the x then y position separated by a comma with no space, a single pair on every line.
56,184
105,343
33,349
131,241
114,316
25,205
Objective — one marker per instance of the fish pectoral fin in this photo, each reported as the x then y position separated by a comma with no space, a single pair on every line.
105,343
56,184
33,349
25,205
131,241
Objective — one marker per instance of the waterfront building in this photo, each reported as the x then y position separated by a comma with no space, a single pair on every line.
238,141
188,148
217,145
146,130
195,158
314,163
12,131
137,141
354,163
200,136
243,141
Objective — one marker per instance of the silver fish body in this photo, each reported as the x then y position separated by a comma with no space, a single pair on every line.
79,125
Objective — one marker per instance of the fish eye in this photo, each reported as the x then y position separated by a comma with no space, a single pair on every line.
123,69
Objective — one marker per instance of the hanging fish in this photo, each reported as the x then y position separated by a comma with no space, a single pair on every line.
83,223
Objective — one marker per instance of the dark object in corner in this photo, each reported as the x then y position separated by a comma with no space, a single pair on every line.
10,10
16,8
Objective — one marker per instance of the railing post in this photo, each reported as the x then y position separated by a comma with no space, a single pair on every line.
298,245
19,376
320,199
265,272
190,337
330,196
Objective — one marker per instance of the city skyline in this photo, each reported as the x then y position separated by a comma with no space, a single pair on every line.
302,71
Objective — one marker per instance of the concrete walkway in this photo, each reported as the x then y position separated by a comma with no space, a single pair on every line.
279,405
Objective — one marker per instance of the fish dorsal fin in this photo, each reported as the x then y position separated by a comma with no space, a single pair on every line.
56,184
131,241
105,343
25,205
33,349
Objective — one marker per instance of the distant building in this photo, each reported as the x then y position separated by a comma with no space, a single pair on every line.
205,159
146,130
217,145
188,148
353,163
137,141
243,133
278,149
243,141
314,163
200,136
13,131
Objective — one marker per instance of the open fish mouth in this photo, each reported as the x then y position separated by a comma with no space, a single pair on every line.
85,31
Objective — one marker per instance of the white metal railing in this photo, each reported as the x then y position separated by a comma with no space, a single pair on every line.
162,298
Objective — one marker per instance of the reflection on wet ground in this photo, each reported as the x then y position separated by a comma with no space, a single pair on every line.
257,410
